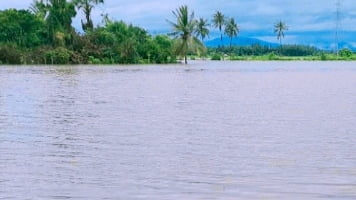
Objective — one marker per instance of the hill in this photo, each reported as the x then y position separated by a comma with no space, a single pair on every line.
321,39
239,41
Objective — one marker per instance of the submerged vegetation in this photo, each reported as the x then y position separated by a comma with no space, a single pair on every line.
44,34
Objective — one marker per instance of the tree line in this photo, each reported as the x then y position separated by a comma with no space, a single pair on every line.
43,34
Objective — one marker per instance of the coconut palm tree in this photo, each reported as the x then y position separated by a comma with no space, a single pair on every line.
87,6
231,29
219,22
183,31
202,30
39,8
58,15
279,29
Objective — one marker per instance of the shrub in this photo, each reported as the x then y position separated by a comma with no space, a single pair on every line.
272,56
77,58
10,55
107,61
94,61
59,55
216,57
346,53
236,58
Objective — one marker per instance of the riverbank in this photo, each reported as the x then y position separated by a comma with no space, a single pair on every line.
297,58
196,59
327,57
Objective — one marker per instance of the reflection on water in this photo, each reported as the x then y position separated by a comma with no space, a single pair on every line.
213,130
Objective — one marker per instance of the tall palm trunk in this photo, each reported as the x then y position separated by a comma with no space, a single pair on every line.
87,11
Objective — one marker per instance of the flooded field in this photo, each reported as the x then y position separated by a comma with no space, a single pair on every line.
209,130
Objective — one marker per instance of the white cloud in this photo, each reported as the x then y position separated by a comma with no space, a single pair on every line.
252,15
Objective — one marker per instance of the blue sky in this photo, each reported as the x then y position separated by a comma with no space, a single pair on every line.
255,17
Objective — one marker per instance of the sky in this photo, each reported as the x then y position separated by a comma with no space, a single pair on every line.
254,17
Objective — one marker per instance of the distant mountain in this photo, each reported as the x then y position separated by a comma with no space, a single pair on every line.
320,39
325,39
239,41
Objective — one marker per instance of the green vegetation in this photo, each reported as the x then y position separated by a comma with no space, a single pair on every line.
274,57
345,53
26,39
184,30
87,6
287,53
202,29
219,22
257,50
43,34
21,28
231,29
279,29
216,56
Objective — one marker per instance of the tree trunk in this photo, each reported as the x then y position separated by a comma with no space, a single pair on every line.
185,59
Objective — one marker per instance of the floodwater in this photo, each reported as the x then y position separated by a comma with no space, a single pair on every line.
209,130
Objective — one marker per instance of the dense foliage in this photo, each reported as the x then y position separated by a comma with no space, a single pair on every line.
257,50
45,36
21,28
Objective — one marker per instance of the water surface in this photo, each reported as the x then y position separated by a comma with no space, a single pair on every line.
209,130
